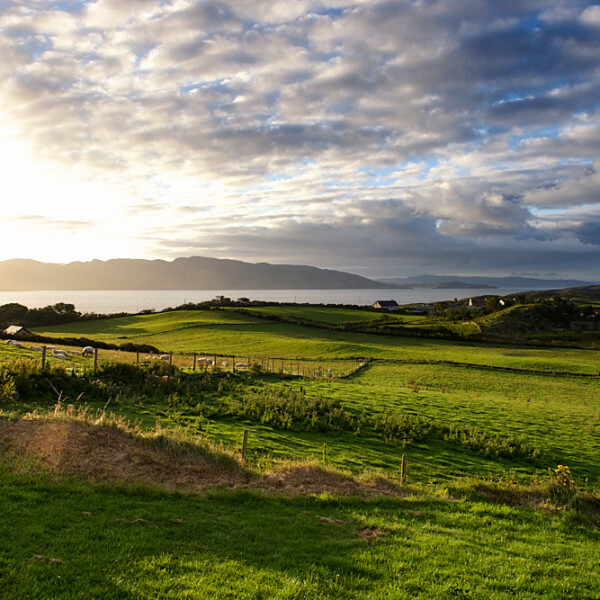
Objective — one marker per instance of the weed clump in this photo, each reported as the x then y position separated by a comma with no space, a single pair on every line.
488,444
287,408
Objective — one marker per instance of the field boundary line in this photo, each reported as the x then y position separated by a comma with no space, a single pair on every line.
451,363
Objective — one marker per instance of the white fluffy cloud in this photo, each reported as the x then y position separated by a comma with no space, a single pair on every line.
383,136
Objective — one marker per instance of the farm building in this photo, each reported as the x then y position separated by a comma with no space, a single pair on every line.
422,309
17,331
477,303
386,304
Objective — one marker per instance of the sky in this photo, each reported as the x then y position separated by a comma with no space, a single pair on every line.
383,138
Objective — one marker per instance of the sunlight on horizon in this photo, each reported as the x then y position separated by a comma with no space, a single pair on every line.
54,214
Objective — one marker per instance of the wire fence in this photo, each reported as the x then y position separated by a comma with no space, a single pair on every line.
79,359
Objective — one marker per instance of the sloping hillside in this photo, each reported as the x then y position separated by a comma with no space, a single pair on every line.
193,273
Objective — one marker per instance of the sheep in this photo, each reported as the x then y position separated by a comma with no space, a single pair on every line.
87,350
164,357
60,354
36,348
13,343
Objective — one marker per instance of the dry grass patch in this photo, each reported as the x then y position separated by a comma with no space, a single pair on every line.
312,478
102,447
98,453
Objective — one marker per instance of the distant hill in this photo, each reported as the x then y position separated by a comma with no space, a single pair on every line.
458,285
587,293
193,273
477,281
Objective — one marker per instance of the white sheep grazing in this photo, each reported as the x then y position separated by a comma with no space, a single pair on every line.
36,348
14,343
87,350
164,357
60,354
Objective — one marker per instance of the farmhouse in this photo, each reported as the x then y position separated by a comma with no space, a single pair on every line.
476,303
386,304
422,309
17,331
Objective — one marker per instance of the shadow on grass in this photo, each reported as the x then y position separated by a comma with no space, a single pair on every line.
65,540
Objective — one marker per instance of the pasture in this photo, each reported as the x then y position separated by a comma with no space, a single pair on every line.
482,512
474,400
68,540
227,333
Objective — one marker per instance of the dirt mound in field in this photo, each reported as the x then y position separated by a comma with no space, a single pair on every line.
101,453
108,454
312,479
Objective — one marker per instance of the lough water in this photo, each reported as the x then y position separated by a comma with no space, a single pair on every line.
133,301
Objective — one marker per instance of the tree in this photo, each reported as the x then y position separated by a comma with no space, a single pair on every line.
13,313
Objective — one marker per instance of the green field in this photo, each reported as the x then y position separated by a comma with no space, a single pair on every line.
65,540
230,333
325,314
480,425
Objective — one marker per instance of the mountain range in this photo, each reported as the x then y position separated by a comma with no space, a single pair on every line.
475,281
202,273
193,273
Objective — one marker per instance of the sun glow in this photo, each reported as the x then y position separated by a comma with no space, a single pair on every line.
54,214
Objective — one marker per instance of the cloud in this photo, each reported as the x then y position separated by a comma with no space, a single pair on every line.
589,233
325,129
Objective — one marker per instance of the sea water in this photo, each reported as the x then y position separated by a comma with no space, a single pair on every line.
134,301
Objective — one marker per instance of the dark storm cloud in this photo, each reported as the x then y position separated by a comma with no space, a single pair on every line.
589,233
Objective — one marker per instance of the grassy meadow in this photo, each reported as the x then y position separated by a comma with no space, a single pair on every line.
228,333
484,511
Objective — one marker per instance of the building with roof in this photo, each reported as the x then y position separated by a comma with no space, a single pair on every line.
386,304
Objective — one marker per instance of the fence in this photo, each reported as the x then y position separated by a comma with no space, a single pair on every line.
78,359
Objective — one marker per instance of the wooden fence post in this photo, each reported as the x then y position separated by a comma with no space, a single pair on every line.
137,358
95,360
171,358
43,358
194,365
403,470
244,445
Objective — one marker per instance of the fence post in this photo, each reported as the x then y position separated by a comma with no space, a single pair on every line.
95,360
137,358
194,365
403,470
244,445
171,358
43,358
233,364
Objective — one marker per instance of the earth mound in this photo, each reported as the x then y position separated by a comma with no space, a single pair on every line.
98,453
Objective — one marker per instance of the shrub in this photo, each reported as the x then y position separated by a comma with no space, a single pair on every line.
563,486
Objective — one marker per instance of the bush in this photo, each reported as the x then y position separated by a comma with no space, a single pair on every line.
563,486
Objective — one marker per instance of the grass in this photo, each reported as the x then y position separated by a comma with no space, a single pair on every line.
323,314
229,333
451,420
67,540
478,518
